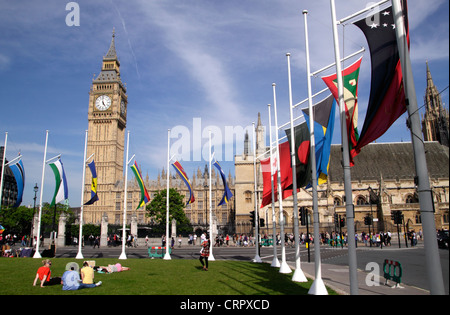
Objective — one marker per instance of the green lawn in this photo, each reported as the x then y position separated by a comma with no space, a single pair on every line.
157,277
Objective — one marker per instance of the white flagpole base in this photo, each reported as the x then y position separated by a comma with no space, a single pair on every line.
318,288
167,256
284,268
275,262
211,257
299,276
79,256
123,256
37,255
257,259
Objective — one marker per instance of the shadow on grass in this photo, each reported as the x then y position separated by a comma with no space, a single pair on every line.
264,279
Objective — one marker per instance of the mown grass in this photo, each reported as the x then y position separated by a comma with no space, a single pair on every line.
156,277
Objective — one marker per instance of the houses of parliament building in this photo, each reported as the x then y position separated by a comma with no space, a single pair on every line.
382,178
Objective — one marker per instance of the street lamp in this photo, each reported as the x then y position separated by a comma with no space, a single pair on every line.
35,188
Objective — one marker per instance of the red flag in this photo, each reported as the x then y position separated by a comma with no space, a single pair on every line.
350,77
285,175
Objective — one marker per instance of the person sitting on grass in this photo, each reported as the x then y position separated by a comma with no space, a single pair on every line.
87,273
71,279
44,275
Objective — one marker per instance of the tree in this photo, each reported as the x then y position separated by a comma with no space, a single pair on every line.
156,209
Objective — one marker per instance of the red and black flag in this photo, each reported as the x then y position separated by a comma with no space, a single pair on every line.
302,148
387,98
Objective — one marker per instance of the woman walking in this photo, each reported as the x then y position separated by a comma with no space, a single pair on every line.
204,253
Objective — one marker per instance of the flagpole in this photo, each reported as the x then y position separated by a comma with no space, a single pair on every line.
433,263
257,258
167,254
275,261
3,168
298,276
346,163
284,268
317,287
80,255
123,255
38,241
211,256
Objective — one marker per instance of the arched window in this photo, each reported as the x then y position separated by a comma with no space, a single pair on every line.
361,200
412,198
337,201
418,218
248,196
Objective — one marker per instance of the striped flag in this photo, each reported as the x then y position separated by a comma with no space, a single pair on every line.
19,174
94,196
177,166
61,190
227,193
144,194
323,134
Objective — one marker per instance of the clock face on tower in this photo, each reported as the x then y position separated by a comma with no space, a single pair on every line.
103,102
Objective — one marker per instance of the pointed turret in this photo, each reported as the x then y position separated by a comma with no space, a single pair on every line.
111,65
111,54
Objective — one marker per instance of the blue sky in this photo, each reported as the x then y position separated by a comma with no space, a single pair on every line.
204,61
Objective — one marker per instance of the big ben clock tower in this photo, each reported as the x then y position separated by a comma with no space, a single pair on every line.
107,117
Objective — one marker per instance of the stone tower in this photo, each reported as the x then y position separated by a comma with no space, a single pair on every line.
107,117
435,124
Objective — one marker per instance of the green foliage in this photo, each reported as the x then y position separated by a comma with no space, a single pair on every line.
18,220
157,208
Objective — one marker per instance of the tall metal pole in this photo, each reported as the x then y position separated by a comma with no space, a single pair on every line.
123,255
80,237
3,169
38,236
255,196
211,239
275,261
433,263
298,276
352,264
284,268
167,254
317,287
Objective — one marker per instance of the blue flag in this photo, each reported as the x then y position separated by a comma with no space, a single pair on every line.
323,134
94,196
227,194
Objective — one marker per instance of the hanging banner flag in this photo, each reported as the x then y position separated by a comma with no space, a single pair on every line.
177,166
350,78
285,176
302,154
144,194
61,190
387,96
227,194
94,196
323,134
19,175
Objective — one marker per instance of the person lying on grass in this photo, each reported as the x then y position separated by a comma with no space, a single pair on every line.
111,268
